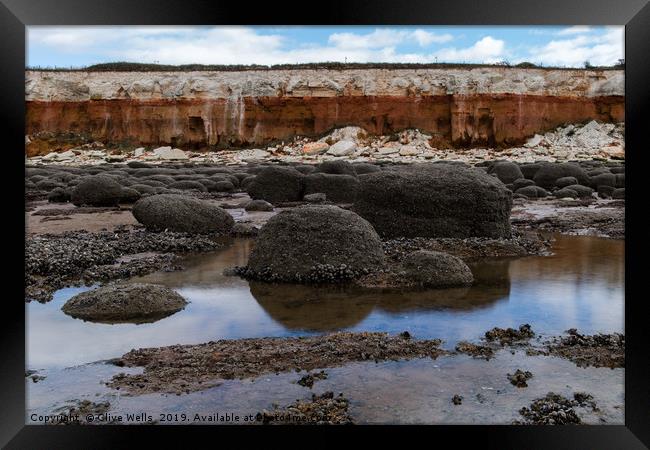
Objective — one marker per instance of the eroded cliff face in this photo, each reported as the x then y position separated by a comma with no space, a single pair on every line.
459,107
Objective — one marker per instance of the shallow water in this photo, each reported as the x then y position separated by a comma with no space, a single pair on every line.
581,286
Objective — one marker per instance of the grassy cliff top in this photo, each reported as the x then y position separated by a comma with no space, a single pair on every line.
142,67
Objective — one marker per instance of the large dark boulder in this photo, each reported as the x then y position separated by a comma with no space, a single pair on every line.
549,173
312,244
506,171
436,269
337,188
97,190
435,200
276,185
183,214
122,302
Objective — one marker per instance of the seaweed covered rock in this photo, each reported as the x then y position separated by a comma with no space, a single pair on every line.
337,167
98,190
125,302
276,184
435,200
314,243
506,171
436,269
337,188
182,214
549,173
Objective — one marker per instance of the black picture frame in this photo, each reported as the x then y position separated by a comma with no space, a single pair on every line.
15,15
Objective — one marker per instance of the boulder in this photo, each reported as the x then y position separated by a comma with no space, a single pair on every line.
409,150
565,193
603,179
318,197
130,195
565,181
188,185
315,243
342,148
548,174
620,180
436,269
506,171
144,188
258,205
619,194
125,302
59,195
276,184
337,188
532,192
522,182
170,154
582,191
182,214
336,168
605,191
97,190
435,200
529,170
361,168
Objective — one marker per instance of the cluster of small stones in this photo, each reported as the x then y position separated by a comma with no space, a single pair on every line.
572,142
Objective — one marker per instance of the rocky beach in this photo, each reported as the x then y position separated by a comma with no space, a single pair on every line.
263,244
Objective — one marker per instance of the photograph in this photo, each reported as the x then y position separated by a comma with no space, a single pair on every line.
326,225
377,222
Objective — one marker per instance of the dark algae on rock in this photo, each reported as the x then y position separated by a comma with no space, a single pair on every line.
122,302
599,350
520,378
509,336
186,368
54,261
442,200
324,409
314,244
554,409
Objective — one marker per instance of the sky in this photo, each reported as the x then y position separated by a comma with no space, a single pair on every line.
565,46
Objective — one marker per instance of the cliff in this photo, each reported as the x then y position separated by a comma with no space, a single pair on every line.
493,106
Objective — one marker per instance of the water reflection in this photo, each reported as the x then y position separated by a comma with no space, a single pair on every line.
311,308
580,286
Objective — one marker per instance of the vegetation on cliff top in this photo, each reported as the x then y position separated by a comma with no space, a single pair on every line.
145,67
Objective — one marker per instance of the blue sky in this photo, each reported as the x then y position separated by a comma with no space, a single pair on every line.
557,46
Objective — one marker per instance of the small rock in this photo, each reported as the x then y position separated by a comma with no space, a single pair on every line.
342,148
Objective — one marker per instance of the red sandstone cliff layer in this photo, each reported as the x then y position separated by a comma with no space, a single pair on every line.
495,107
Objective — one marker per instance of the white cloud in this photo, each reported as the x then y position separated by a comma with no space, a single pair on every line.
577,29
600,50
386,37
425,38
486,50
